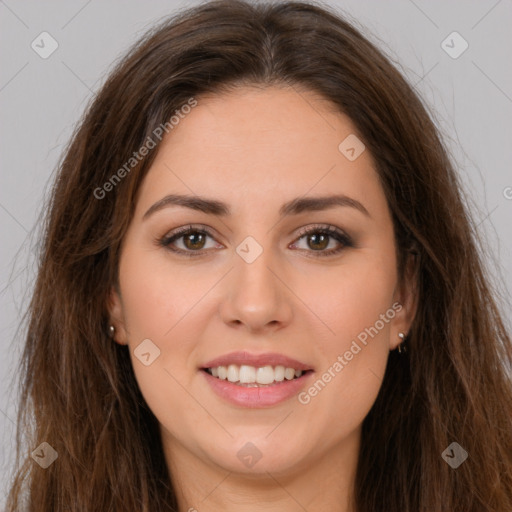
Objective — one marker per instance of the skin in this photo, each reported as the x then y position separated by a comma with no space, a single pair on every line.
255,149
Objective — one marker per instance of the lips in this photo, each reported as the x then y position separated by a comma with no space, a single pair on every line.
256,380
256,395
256,360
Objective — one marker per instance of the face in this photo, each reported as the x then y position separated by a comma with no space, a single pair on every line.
259,282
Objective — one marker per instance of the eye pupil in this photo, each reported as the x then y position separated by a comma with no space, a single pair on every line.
316,237
197,236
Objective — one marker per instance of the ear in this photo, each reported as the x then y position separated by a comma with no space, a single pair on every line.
115,310
406,294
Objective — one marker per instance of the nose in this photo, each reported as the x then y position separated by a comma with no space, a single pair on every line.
256,295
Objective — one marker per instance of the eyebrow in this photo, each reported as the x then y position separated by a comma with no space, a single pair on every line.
293,207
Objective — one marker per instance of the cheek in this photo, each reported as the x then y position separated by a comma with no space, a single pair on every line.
158,295
158,305
350,297
356,308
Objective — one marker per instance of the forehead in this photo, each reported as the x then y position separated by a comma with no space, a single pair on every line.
254,144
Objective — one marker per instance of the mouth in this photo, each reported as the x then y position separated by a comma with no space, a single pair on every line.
256,381
255,376
248,370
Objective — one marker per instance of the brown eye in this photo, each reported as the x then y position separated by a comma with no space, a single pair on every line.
194,241
317,241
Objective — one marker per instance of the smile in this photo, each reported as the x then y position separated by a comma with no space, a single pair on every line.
252,376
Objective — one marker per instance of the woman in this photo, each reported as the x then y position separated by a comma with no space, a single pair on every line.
260,288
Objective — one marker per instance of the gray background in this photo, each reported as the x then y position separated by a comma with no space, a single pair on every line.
41,100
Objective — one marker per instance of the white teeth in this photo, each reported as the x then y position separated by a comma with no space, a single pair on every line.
246,374
265,375
233,373
279,373
222,372
289,373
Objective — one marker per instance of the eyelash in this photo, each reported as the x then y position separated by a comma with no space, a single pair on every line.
331,231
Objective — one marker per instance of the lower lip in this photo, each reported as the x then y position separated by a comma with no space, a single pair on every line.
257,396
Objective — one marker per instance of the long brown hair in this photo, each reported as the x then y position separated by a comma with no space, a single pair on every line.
79,393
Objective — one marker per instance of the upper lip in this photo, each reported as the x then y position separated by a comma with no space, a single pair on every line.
256,360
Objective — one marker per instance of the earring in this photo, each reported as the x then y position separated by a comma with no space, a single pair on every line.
111,331
401,349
